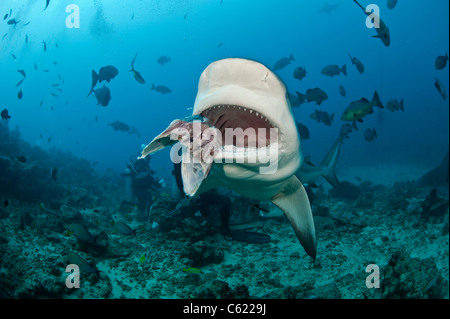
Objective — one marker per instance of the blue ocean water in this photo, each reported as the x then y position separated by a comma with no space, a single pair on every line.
196,33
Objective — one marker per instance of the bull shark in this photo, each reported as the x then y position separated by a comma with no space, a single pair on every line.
383,32
239,93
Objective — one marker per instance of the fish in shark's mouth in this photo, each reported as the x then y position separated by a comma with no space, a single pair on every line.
246,126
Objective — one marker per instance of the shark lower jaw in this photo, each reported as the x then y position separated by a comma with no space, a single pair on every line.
242,127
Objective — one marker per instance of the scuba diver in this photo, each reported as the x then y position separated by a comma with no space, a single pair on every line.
213,198
141,184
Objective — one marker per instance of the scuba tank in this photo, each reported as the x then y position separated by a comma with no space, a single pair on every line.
129,181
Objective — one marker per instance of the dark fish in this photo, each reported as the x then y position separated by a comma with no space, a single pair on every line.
282,63
47,2
53,94
395,105
300,73
303,131
332,70
342,90
441,88
134,131
81,232
35,66
328,8
45,46
84,266
4,36
124,229
45,70
220,44
26,23
119,126
107,73
5,115
103,95
322,117
20,95
53,171
132,16
370,134
163,60
55,85
358,63
136,74
5,203
22,72
13,22
6,16
358,109
22,159
14,57
313,95
441,62
346,129
26,38
20,82
161,89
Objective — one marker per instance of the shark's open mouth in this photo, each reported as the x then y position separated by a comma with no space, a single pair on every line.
240,126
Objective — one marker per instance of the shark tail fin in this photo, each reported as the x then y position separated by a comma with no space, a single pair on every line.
330,161
376,100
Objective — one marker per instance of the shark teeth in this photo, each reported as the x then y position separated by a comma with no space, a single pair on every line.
240,108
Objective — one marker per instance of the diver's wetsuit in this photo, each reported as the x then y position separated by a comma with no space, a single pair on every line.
144,182
213,198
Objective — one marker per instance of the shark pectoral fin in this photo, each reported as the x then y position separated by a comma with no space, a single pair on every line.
193,175
165,138
294,202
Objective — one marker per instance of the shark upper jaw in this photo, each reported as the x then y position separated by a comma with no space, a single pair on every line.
239,93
